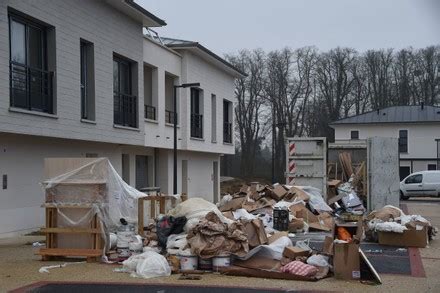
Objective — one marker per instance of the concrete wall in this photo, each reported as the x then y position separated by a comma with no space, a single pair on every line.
421,137
111,32
22,160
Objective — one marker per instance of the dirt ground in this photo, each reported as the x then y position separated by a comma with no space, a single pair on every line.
19,267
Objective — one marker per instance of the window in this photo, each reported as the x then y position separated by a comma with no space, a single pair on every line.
31,84
354,134
432,167
125,104
213,118
227,121
414,179
150,92
196,114
403,141
87,81
170,112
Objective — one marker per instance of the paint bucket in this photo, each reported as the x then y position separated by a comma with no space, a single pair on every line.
124,236
113,241
221,261
188,262
205,264
135,245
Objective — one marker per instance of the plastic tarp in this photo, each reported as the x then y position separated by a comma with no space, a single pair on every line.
97,185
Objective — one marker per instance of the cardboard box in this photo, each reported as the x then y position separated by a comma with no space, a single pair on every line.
409,238
255,232
278,192
295,225
276,236
292,252
346,261
299,194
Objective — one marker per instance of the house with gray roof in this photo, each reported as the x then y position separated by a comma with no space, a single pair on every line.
417,127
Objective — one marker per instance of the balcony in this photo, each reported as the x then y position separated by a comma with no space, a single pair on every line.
150,112
227,132
197,125
125,110
169,117
31,88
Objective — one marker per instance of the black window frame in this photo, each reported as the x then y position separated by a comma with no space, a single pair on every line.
227,121
432,165
403,141
86,75
125,111
410,179
354,137
33,75
196,116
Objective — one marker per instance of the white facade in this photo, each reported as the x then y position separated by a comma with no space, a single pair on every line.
422,140
28,136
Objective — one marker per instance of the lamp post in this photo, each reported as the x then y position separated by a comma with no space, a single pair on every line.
184,85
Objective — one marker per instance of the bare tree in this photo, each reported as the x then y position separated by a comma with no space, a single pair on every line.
249,92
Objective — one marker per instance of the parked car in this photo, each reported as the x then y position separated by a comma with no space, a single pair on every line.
423,183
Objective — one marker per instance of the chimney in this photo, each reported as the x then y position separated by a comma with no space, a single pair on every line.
422,104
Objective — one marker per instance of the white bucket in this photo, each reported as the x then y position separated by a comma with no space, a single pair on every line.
124,237
221,261
188,263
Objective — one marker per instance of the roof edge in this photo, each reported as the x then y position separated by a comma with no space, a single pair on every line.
145,12
209,52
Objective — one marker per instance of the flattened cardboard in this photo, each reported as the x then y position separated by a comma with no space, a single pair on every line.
276,236
255,232
300,211
372,270
292,252
346,261
258,262
299,193
229,215
233,204
409,238
327,247
295,225
278,192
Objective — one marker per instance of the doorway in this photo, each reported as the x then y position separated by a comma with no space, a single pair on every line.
185,176
215,181
404,171
141,172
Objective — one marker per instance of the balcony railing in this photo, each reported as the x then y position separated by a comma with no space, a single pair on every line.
197,125
169,117
125,110
150,112
227,132
31,88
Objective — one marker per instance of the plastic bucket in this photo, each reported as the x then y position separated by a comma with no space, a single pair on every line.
221,261
205,264
188,262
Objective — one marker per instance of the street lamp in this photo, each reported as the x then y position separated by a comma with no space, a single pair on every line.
184,85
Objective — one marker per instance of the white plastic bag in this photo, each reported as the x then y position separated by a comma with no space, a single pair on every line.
318,260
147,265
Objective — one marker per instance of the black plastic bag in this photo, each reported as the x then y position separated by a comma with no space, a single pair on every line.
169,225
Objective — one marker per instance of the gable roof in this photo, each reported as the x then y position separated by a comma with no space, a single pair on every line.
204,52
395,114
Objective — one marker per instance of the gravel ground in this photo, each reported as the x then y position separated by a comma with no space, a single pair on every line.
20,267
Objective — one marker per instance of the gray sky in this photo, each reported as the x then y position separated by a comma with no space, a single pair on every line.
226,26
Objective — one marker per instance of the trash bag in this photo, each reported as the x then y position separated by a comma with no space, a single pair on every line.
147,265
168,225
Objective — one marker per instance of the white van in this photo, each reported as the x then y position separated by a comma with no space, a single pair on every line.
423,183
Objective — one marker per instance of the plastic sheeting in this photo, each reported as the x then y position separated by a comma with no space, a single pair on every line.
95,184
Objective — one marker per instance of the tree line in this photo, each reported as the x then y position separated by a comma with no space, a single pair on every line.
298,92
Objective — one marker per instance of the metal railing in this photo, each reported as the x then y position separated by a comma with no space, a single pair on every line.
31,88
150,112
125,110
169,117
197,125
227,132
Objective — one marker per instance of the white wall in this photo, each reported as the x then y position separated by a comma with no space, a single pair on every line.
421,137
110,31
200,173
212,81
22,160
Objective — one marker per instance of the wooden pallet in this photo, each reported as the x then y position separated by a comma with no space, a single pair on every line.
52,232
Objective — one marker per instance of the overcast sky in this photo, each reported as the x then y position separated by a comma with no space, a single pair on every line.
226,26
